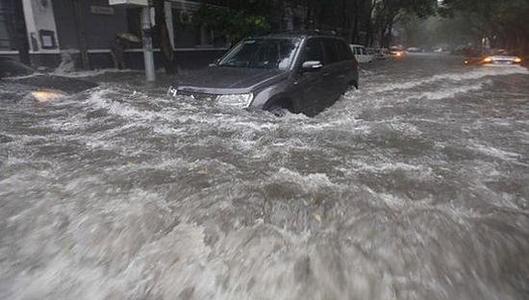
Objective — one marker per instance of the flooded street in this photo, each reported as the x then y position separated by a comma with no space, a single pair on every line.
414,187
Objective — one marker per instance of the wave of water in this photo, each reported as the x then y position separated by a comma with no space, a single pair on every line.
112,194
473,73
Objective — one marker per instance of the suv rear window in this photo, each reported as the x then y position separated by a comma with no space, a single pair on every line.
344,52
331,52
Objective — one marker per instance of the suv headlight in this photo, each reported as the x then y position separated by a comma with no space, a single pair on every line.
236,100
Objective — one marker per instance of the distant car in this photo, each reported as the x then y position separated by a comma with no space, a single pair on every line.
301,73
43,87
397,52
381,53
496,57
414,50
361,54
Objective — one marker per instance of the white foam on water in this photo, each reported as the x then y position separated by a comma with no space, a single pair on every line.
460,76
311,182
91,73
495,152
391,167
173,208
102,99
36,74
451,92
67,64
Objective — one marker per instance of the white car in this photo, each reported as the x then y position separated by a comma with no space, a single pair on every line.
502,60
495,58
361,54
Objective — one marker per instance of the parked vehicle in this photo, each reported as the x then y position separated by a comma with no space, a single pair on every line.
301,73
380,53
361,54
414,50
42,87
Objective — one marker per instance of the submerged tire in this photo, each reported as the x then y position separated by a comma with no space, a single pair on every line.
278,111
280,107
353,86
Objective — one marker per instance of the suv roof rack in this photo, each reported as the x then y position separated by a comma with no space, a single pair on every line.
298,33
323,32
312,32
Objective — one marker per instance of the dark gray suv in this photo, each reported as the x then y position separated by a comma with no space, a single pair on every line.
302,73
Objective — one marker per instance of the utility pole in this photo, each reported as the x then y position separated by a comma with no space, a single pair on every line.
147,44
147,32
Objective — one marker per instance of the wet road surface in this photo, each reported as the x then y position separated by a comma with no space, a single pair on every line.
414,187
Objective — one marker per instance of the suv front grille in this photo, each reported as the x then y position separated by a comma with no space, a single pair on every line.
198,96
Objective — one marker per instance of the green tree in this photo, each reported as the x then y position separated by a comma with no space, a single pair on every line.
234,24
388,12
163,39
501,21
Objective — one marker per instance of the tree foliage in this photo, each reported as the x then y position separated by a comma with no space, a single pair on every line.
360,21
235,24
504,22
375,17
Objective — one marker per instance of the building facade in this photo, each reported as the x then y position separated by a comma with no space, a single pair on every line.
86,30
55,27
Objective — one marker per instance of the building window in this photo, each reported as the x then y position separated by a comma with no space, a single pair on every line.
6,28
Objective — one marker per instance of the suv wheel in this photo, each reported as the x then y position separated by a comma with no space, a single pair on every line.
278,111
280,108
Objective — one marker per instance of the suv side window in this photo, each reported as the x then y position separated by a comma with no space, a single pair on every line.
331,52
344,51
313,51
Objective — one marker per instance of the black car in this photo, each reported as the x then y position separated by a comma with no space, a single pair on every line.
303,73
43,87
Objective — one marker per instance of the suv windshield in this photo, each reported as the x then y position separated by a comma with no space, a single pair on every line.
262,53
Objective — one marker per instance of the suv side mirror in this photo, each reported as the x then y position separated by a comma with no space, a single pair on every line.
311,66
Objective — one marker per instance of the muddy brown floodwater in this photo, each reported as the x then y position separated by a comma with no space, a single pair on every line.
414,187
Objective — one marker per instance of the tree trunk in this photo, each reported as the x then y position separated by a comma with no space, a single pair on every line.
22,43
389,35
166,47
79,21
354,25
345,17
369,25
